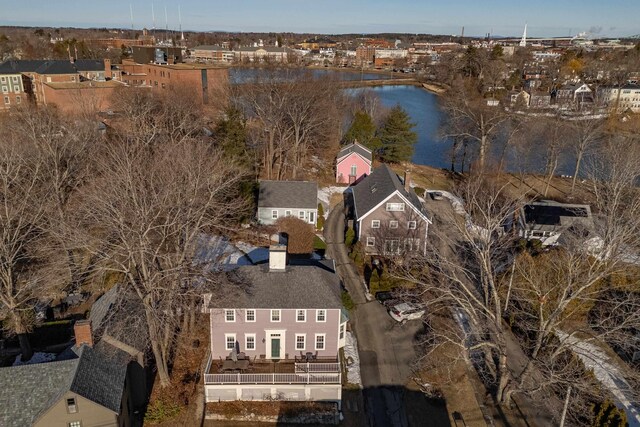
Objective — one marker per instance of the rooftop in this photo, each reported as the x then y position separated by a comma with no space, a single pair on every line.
288,194
310,286
550,213
355,148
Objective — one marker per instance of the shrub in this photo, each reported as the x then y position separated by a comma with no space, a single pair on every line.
161,411
347,302
320,224
419,191
300,235
319,244
350,237
607,414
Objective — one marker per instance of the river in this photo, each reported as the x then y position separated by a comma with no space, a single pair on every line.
424,109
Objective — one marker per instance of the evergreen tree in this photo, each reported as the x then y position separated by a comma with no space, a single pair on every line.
231,133
397,136
363,130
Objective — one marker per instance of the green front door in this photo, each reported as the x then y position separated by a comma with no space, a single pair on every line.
275,348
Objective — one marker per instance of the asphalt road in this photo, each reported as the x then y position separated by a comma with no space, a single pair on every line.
386,347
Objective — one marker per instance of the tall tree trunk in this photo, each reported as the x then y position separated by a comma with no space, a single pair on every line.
155,338
25,347
576,171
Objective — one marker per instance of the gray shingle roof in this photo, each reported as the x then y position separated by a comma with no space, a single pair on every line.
57,66
98,374
355,148
300,286
377,187
288,194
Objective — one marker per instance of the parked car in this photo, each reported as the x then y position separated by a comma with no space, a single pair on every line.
387,298
436,195
406,311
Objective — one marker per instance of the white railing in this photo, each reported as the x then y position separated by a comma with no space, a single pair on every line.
317,367
299,378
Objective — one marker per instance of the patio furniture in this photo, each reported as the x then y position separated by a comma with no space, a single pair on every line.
230,365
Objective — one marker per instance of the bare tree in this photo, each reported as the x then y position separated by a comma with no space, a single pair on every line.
469,118
143,217
23,244
584,134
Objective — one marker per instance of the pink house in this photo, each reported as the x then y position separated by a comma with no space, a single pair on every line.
353,162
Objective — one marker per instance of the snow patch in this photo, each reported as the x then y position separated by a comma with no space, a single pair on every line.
607,373
351,353
324,195
36,358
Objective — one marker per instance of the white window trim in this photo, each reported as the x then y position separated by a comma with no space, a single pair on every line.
304,342
302,215
287,213
246,337
324,341
375,223
227,311
412,225
325,315
371,241
279,315
246,315
342,330
274,214
226,341
395,204
393,224
305,316
312,217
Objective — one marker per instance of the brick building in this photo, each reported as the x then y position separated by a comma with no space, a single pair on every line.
206,78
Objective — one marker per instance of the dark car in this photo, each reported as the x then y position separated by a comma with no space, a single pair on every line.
386,298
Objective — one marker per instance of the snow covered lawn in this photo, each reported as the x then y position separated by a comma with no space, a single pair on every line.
36,358
324,195
351,352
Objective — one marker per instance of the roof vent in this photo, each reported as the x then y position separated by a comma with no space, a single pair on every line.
373,188
277,258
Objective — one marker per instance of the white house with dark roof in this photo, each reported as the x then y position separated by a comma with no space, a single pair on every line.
389,219
279,199
545,220
280,336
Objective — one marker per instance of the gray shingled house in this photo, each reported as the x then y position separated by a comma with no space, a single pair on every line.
88,384
389,219
284,326
278,199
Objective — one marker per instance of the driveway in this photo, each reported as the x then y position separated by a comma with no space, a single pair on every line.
386,347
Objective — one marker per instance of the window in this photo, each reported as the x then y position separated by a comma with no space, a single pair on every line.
48,79
229,315
393,224
75,424
15,79
395,207
353,170
287,213
250,316
321,315
320,341
411,225
250,341
16,89
6,100
275,315
230,341
5,89
375,223
371,241
73,78
301,341
301,215
274,214
3,79
18,100
301,316
72,408
342,331
312,217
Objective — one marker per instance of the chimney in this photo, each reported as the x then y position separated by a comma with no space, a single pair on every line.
407,180
84,334
277,258
107,69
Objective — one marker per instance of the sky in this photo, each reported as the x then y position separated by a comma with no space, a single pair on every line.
600,18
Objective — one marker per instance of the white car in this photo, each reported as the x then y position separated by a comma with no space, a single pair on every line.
406,311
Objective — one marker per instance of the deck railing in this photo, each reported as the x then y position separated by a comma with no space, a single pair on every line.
300,378
317,367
